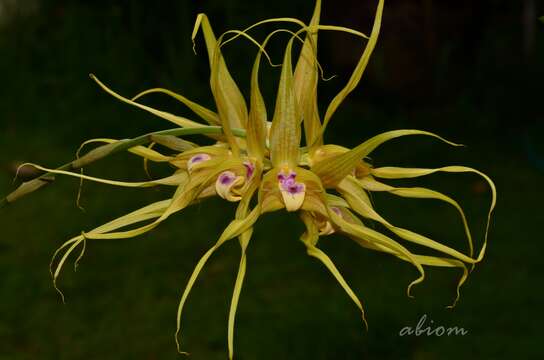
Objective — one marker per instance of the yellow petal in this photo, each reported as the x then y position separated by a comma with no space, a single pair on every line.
338,167
230,103
374,237
285,131
359,69
206,114
176,179
305,83
244,238
349,188
146,213
310,239
235,228
178,120
404,173
370,184
139,150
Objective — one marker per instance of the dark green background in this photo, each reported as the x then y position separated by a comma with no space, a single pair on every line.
471,71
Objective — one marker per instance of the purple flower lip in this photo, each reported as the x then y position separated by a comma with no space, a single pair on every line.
295,188
283,176
198,158
292,192
250,169
288,183
336,210
226,178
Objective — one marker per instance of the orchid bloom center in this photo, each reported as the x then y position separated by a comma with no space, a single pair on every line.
226,178
198,158
228,186
292,192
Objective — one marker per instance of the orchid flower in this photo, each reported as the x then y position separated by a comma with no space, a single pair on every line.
254,159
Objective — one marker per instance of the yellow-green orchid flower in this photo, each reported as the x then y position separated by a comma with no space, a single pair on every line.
327,184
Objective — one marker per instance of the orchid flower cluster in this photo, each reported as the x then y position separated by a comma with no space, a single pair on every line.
261,165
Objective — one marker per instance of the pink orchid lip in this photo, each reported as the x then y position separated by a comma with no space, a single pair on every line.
283,176
226,178
198,158
336,210
288,183
250,169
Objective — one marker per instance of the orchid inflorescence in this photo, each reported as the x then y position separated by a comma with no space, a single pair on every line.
253,158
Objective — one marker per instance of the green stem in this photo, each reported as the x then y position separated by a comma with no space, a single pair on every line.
107,150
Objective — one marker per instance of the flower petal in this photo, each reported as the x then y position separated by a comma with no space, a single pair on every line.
178,120
231,105
349,188
206,114
405,173
285,131
338,167
305,83
359,69
228,185
309,238
235,228
370,184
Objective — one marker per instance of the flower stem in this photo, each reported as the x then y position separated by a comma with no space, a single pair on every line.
104,151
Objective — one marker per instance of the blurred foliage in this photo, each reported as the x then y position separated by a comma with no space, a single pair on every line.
453,67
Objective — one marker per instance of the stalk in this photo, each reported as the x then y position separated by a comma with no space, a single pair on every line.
103,151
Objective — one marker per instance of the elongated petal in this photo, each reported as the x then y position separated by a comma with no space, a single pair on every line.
285,131
178,120
338,167
139,150
423,260
231,105
184,195
305,83
244,241
244,238
404,173
146,213
370,184
235,228
256,127
176,179
209,116
374,237
359,69
309,238
349,188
